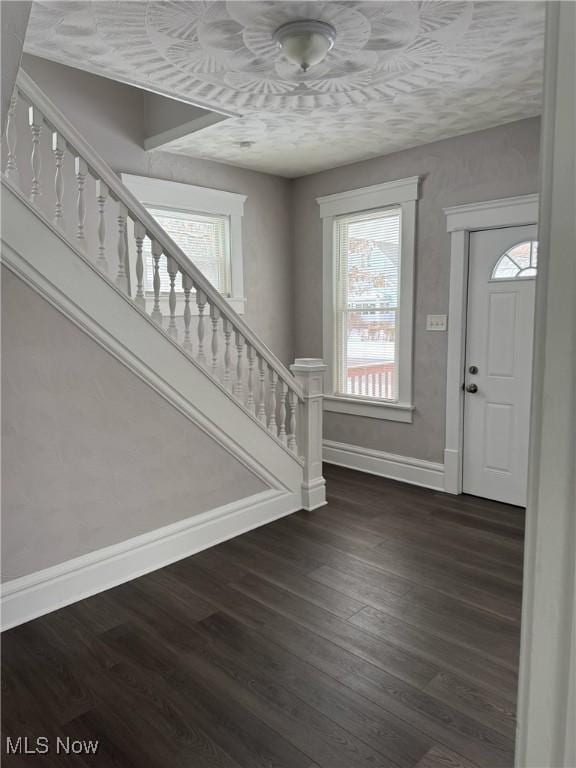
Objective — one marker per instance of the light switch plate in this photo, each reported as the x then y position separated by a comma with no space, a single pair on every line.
436,322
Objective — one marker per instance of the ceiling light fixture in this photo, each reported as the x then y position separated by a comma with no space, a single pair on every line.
305,42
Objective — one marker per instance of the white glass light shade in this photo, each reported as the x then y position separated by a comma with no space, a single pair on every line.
305,42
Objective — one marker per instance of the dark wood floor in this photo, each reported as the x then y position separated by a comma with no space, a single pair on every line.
381,630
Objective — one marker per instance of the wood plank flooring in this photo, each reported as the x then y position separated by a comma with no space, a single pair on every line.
380,631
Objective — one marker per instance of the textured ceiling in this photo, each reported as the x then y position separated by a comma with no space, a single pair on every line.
400,73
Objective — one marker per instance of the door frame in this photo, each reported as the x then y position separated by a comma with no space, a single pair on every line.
461,220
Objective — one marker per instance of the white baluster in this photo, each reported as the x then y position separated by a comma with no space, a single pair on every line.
239,385
379,385
58,149
272,426
156,314
139,235
292,403
251,402
11,169
81,168
121,277
201,304
214,317
101,198
227,327
261,390
187,287
282,413
172,268
35,122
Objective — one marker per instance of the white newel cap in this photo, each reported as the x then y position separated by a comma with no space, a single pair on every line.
309,373
308,365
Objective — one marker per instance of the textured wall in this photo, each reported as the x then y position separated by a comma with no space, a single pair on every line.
91,454
111,117
499,162
283,236
13,23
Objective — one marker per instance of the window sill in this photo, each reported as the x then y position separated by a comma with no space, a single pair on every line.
356,406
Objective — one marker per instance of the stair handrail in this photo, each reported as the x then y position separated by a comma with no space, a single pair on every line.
100,168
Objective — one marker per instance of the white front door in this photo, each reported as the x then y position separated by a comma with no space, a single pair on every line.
500,331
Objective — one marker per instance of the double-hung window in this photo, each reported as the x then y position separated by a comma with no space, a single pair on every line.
203,238
207,226
368,299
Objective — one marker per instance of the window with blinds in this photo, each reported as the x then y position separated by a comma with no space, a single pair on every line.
203,238
367,254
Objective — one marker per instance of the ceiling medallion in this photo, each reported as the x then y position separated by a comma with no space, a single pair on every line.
305,42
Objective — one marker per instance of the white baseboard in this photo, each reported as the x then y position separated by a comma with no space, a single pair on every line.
428,474
30,596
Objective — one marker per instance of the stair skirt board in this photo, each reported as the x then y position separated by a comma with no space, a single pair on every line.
36,594
427,474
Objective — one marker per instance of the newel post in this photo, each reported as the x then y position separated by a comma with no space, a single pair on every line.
309,373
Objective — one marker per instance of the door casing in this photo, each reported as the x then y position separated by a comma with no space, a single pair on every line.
461,220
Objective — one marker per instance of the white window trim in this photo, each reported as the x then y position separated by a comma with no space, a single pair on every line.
187,197
403,193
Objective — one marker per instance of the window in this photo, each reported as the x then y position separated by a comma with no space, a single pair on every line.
367,254
518,262
205,223
204,239
368,303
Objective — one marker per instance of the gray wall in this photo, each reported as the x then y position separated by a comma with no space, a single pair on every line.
91,454
13,23
111,117
499,162
283,235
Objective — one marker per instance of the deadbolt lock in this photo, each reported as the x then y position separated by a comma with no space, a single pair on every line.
473,369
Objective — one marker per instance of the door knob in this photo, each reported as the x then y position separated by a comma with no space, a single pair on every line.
472,388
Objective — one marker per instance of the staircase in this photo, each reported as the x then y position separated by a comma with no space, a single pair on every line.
68,226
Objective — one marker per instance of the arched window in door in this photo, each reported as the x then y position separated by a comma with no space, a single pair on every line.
518,262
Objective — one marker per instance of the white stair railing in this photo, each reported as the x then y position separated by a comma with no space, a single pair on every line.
48,162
